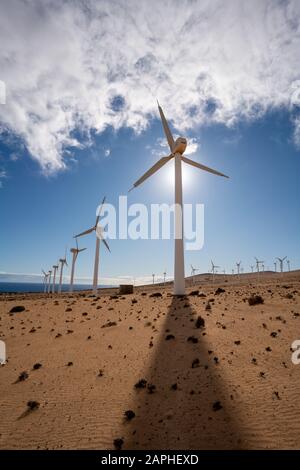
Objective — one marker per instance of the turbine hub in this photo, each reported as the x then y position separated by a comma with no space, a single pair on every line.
180,145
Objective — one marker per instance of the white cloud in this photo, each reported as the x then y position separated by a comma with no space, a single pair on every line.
107,152
88,64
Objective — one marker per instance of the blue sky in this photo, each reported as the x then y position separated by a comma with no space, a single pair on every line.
80,121
254,213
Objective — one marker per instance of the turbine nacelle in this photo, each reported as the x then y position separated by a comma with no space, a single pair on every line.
180,145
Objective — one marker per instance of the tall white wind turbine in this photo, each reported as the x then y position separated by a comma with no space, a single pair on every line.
275,266
74,252
99,237
63,261
55,268
177,149
289,264
153,276
238,265
281,260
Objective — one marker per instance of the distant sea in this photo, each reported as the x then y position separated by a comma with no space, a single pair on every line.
12,287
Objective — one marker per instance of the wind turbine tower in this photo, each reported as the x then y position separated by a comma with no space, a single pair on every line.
55,268
63,261
74,252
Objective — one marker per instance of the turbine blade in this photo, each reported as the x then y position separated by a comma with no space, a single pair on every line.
203,167
166,128
100,211
81,249
106,244
90,230
152,170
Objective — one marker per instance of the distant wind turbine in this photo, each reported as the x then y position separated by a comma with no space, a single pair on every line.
99,237
193,271
165,273
252,267
45,280
55,268
74,252
289,265
275,266
257,265
177,149
238,265
63,261
153,275
213,270
49,281
281,260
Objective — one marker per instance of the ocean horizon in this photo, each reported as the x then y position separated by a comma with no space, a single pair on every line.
19,287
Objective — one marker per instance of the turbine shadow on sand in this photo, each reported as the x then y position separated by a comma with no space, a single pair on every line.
183,418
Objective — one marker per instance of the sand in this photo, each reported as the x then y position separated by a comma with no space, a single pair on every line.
229,384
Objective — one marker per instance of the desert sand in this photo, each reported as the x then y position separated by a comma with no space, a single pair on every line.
153,372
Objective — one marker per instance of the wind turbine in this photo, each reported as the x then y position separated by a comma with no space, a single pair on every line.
55,268
45,280
193,270
275,266
153,275
238,265
165,273
257,265
252,267
177,149
63,261
213,270
281,260
74,252
99,237
49,281
289,265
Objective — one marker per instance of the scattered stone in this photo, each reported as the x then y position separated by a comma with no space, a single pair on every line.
194,293
168,337
129,415
23,376
195,363
108,324
33,405
155,294
217,406
200,323
118,443
17,308
192,339
219,291
255,300
37,366
141,383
